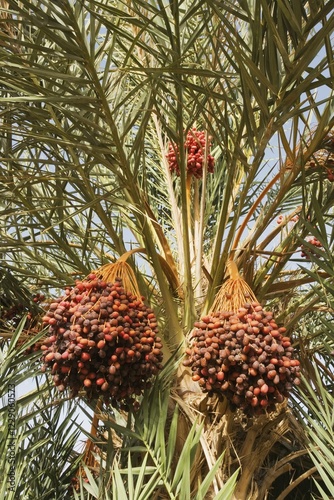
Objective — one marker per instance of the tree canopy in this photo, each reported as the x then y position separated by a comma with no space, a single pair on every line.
100,103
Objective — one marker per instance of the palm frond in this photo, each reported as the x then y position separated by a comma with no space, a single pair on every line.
92,94
35,434
141,468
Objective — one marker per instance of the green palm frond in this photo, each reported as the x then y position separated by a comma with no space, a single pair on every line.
34,424
91,163
316,414
56,467
142,466
92,94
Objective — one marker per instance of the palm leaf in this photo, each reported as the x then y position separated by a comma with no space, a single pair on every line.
43,439
318,419
91,95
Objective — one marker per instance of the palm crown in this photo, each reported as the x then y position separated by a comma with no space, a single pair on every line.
178,132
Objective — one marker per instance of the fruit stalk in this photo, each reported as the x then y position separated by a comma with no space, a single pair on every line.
88,458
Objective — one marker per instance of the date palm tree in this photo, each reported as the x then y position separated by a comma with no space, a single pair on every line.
99,101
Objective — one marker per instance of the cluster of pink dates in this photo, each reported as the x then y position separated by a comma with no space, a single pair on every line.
197,146
306,252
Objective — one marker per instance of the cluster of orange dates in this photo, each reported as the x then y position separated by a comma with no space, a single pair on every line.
197,146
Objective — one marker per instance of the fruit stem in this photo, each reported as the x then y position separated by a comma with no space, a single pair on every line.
95,420
188,198
199,221
93,433
126,255
233,270
169,271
